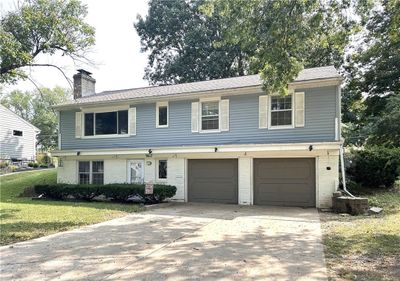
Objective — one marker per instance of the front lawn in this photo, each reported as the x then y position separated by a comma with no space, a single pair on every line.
22,218
365,247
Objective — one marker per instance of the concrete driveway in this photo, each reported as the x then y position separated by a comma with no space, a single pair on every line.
179,242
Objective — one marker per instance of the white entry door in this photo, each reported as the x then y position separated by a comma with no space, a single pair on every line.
136,171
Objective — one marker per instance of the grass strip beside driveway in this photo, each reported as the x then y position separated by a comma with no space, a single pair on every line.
22,218
365,247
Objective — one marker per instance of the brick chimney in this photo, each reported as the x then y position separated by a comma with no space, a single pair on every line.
84,84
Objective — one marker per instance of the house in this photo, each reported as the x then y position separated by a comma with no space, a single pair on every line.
17,137
223,140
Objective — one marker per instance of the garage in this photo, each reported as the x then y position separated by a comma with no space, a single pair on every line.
213,180
284,182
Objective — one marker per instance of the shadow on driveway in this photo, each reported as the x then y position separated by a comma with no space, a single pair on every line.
180,242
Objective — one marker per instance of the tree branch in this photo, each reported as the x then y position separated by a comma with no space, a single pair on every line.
40,91
55,66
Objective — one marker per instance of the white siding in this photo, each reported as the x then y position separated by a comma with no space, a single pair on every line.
68,172
150,170
245,180
115,171
176,177
11,146
327,180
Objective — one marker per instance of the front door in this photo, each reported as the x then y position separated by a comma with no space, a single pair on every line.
136,171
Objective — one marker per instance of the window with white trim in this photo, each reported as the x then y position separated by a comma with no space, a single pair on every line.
162,115
162,169
210,115
91,172
106,123
281,111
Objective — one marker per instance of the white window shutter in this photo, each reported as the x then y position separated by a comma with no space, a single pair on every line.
299,109
78,124
224,115
263,112
132,120
195,117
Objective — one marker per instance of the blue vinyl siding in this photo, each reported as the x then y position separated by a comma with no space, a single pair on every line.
320,112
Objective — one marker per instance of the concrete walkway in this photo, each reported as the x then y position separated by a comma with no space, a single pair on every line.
180,242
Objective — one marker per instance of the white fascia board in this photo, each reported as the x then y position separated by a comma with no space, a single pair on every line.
204,149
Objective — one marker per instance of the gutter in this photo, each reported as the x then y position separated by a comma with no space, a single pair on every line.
202,149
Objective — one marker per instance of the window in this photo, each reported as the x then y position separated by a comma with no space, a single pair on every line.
91,172
162,115
162,169
281,111
106,123
17,133
210,115
84,172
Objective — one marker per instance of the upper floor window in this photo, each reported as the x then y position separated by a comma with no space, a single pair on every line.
91,172
106,123
281,111
162,115
17,133
210,115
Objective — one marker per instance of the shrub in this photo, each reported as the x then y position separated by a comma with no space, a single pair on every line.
3,165
43,166
375,166
116,192
30,164
35,165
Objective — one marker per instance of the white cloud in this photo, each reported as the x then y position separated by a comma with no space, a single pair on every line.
119,62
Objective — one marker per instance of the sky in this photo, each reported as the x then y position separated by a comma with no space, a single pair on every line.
119,64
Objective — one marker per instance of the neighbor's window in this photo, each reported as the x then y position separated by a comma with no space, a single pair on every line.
17,133
162,169
210,115
106,123
91,172
281,111
162,114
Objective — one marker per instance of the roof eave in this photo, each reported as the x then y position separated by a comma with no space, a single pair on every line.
335,81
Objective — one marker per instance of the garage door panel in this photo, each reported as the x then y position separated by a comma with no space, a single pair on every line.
213,180
285,182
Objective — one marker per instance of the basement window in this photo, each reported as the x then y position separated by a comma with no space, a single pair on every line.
162,169
91,172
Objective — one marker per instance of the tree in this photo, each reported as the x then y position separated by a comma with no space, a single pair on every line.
283,37
371,95
36,108
182,43
42,27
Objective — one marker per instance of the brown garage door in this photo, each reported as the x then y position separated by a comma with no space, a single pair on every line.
213,180
284,182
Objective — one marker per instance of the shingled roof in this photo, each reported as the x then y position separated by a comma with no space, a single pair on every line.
310,74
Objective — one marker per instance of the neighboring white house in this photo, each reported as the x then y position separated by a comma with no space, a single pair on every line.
17,136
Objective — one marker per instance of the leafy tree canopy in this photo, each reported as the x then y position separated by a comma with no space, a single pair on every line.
36,108
182,44
283,37
371,96
42,27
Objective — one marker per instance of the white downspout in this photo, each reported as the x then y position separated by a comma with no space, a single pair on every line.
341,149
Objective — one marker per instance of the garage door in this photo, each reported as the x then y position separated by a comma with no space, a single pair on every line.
213,180
284,182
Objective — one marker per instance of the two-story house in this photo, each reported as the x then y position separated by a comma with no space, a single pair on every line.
223,140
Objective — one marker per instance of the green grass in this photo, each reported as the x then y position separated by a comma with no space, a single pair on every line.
22,218
365,247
